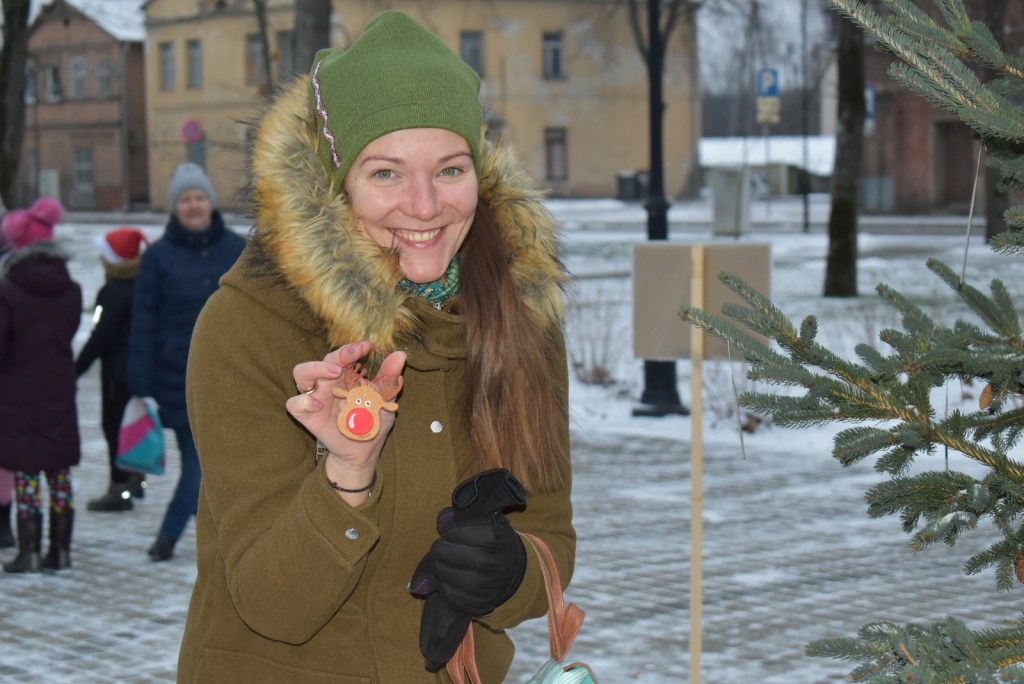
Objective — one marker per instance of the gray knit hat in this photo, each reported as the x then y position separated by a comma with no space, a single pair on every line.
189,176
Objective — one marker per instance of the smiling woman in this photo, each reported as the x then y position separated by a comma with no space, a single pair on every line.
388,233
415,191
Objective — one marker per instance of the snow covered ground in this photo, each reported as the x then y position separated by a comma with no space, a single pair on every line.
789,556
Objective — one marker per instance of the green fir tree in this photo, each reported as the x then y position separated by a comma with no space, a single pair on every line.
888,397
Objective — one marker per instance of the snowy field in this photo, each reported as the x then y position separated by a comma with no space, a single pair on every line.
790,555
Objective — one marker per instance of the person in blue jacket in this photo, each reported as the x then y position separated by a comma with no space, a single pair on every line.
177,274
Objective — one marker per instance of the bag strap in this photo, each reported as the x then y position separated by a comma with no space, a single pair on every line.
564,622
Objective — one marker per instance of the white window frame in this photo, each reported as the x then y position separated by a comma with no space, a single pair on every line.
556,154
554,55
254,76
103,78
194,54
53,90
83,166
468,40
166,67
31,84
79,70
286,55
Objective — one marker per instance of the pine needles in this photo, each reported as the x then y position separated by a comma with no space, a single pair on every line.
888,397
934,65
892,393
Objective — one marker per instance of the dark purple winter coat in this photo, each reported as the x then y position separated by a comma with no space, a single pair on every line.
40,309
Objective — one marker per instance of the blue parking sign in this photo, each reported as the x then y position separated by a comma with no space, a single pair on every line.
768,83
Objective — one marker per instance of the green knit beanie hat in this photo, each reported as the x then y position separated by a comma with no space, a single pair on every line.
397,75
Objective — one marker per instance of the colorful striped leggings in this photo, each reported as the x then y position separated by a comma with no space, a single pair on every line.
27,491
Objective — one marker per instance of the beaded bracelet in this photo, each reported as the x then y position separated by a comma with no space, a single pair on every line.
335,486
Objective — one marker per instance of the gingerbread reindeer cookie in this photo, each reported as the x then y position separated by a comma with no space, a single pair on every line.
360,414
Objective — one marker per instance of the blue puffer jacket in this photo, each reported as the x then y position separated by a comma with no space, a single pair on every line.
178,273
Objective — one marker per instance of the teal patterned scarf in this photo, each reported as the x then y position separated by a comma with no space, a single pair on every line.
439,291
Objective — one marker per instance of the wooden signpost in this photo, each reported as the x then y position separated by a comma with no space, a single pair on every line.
665,277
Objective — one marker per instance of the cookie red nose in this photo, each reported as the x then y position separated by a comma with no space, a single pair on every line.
359,421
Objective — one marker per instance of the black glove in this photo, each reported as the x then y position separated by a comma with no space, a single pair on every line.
476,565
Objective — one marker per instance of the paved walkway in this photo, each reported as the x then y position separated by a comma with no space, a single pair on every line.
790,556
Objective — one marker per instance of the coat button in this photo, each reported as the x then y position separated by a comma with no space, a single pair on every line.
436,427
352,533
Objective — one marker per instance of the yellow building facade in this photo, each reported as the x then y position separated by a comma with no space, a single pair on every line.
562,81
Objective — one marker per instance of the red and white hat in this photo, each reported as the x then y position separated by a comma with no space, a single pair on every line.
120,245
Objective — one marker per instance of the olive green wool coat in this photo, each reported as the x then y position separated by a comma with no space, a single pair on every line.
294,585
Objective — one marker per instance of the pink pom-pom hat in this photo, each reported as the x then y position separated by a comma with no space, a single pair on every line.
23,227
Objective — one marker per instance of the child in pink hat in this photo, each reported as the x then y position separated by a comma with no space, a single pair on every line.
24,226
41,310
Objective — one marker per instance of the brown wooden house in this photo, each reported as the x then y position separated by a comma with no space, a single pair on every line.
85,121
919,158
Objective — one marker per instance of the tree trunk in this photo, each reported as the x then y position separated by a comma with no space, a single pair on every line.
841,272
312,31
261,17
13,59
993,14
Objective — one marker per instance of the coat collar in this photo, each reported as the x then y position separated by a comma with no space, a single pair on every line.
40,249
195,239
305,238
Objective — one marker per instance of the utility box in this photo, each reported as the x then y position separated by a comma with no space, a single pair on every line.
731,191
777,176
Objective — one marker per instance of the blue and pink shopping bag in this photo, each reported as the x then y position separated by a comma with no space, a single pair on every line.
140,445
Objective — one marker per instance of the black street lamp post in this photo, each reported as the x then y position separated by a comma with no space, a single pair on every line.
660,396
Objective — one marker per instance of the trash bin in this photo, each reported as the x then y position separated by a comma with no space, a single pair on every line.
627,190
641,185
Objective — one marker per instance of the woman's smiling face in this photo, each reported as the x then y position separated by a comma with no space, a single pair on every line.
415,190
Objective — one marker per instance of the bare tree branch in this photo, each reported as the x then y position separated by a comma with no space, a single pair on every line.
673,11
638,32
261,17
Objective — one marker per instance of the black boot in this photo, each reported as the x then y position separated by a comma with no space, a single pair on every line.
6,536
136,485
163,548
59,555
117,498
30,538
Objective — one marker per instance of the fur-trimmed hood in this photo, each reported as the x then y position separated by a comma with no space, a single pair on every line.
306,235
40,249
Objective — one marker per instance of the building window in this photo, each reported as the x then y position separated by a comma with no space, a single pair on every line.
30,85
197,152
253,59
53,84
556,154
286,55
554,53
78,78
83,168
32,170
103,78
471,47
166,67
195,65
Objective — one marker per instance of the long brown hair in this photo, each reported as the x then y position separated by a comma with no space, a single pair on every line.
517,412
